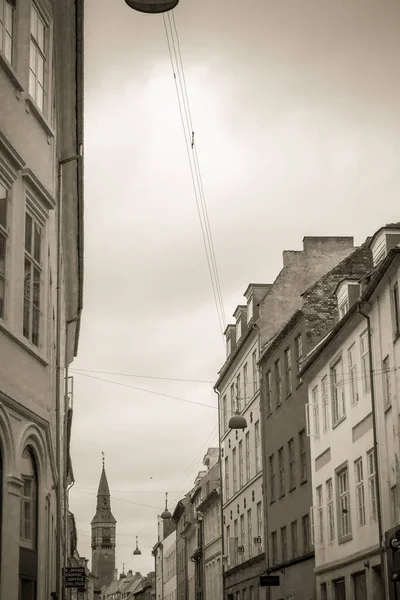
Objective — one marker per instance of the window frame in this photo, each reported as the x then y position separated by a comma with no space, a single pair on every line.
303,456
5,33
288,371
274,548
38,265
272,490
281,467
257,445
241,465
387,393
292,464
298,340
30,544
343,503
353,385
278,382
249,532
248,456
268,391
294,538
396,309
338,396
305,525
325,403
365,369
284,548
234,471
330,510
43,53
256,385
360,492
372,485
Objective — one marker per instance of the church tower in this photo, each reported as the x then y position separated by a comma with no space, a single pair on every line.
103,536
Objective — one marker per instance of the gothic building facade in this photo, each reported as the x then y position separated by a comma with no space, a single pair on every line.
103,536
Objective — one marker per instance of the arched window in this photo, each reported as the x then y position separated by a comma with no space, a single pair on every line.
28,528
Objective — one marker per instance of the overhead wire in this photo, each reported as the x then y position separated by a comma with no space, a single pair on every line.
186,121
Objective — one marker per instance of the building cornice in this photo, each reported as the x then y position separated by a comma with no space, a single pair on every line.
274,343
229,363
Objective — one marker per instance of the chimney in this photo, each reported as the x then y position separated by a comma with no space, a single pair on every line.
130,572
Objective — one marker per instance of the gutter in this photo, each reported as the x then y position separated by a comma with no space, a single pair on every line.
375,438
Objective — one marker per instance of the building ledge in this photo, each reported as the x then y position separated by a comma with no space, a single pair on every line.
11,73
254,560
31,106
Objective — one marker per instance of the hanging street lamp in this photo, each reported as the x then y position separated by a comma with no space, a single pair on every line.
152,6
166,514
137,552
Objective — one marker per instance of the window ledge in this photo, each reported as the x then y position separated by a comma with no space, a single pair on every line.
292,489
387,408
24,344
11,74
334,425
345,538
31,105
303,481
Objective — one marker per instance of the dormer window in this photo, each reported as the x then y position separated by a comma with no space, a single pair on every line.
238,328
250,308
343,308
383,241
228,346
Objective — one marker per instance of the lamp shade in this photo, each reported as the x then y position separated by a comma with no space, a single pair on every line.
152,6
166,514
237,422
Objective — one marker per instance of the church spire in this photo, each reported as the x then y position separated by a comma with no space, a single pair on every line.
103,508
104,490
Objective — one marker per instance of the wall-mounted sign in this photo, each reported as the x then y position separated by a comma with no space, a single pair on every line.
269,580
395,542
74,577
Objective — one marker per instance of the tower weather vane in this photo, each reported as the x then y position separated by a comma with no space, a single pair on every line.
103,458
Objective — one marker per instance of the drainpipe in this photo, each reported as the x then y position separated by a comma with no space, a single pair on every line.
60,470
375,438
221,498
264,466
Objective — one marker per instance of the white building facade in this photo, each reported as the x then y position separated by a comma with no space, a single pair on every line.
355,489
169,567
241,454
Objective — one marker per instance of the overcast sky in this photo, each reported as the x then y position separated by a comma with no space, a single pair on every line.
295,107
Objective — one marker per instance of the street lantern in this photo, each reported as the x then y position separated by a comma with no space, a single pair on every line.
166,514
152,6
237,422
137,552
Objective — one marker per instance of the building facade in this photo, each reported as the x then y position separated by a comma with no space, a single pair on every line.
239,393
209,509
41,283
354,432
104,527
286,447
169,567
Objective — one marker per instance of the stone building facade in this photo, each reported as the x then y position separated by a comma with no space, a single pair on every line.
41,282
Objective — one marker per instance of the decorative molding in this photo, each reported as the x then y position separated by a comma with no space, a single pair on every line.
31,106
11,73
14,485
38,189
12,161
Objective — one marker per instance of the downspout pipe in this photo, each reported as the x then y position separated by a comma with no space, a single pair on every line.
221,497
59,367
264,464
375,439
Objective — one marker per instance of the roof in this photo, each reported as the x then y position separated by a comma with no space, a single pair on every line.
368,292
103,489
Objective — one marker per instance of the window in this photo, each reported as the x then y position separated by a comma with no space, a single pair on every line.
238,394
325,403
37,60
228,346
387,398
338,405
3,241
292,465
7,42
351,353
255,372
305,521
259,522
343,308
238,328
299,351
314,399
320,516
278,382
28,502
241,473
365,361
281,461
372,484
257,445
106,536
396,309
242,531
234,467
250,308
249,533
330,510
225,413
268,391
324,591
360,493
303,456
274,548
288,371
339,587
284,543
272,478
246,391
248,463
344,503
295,543
233,399
33,251
226,477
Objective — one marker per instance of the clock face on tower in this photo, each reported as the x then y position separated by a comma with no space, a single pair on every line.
105,501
